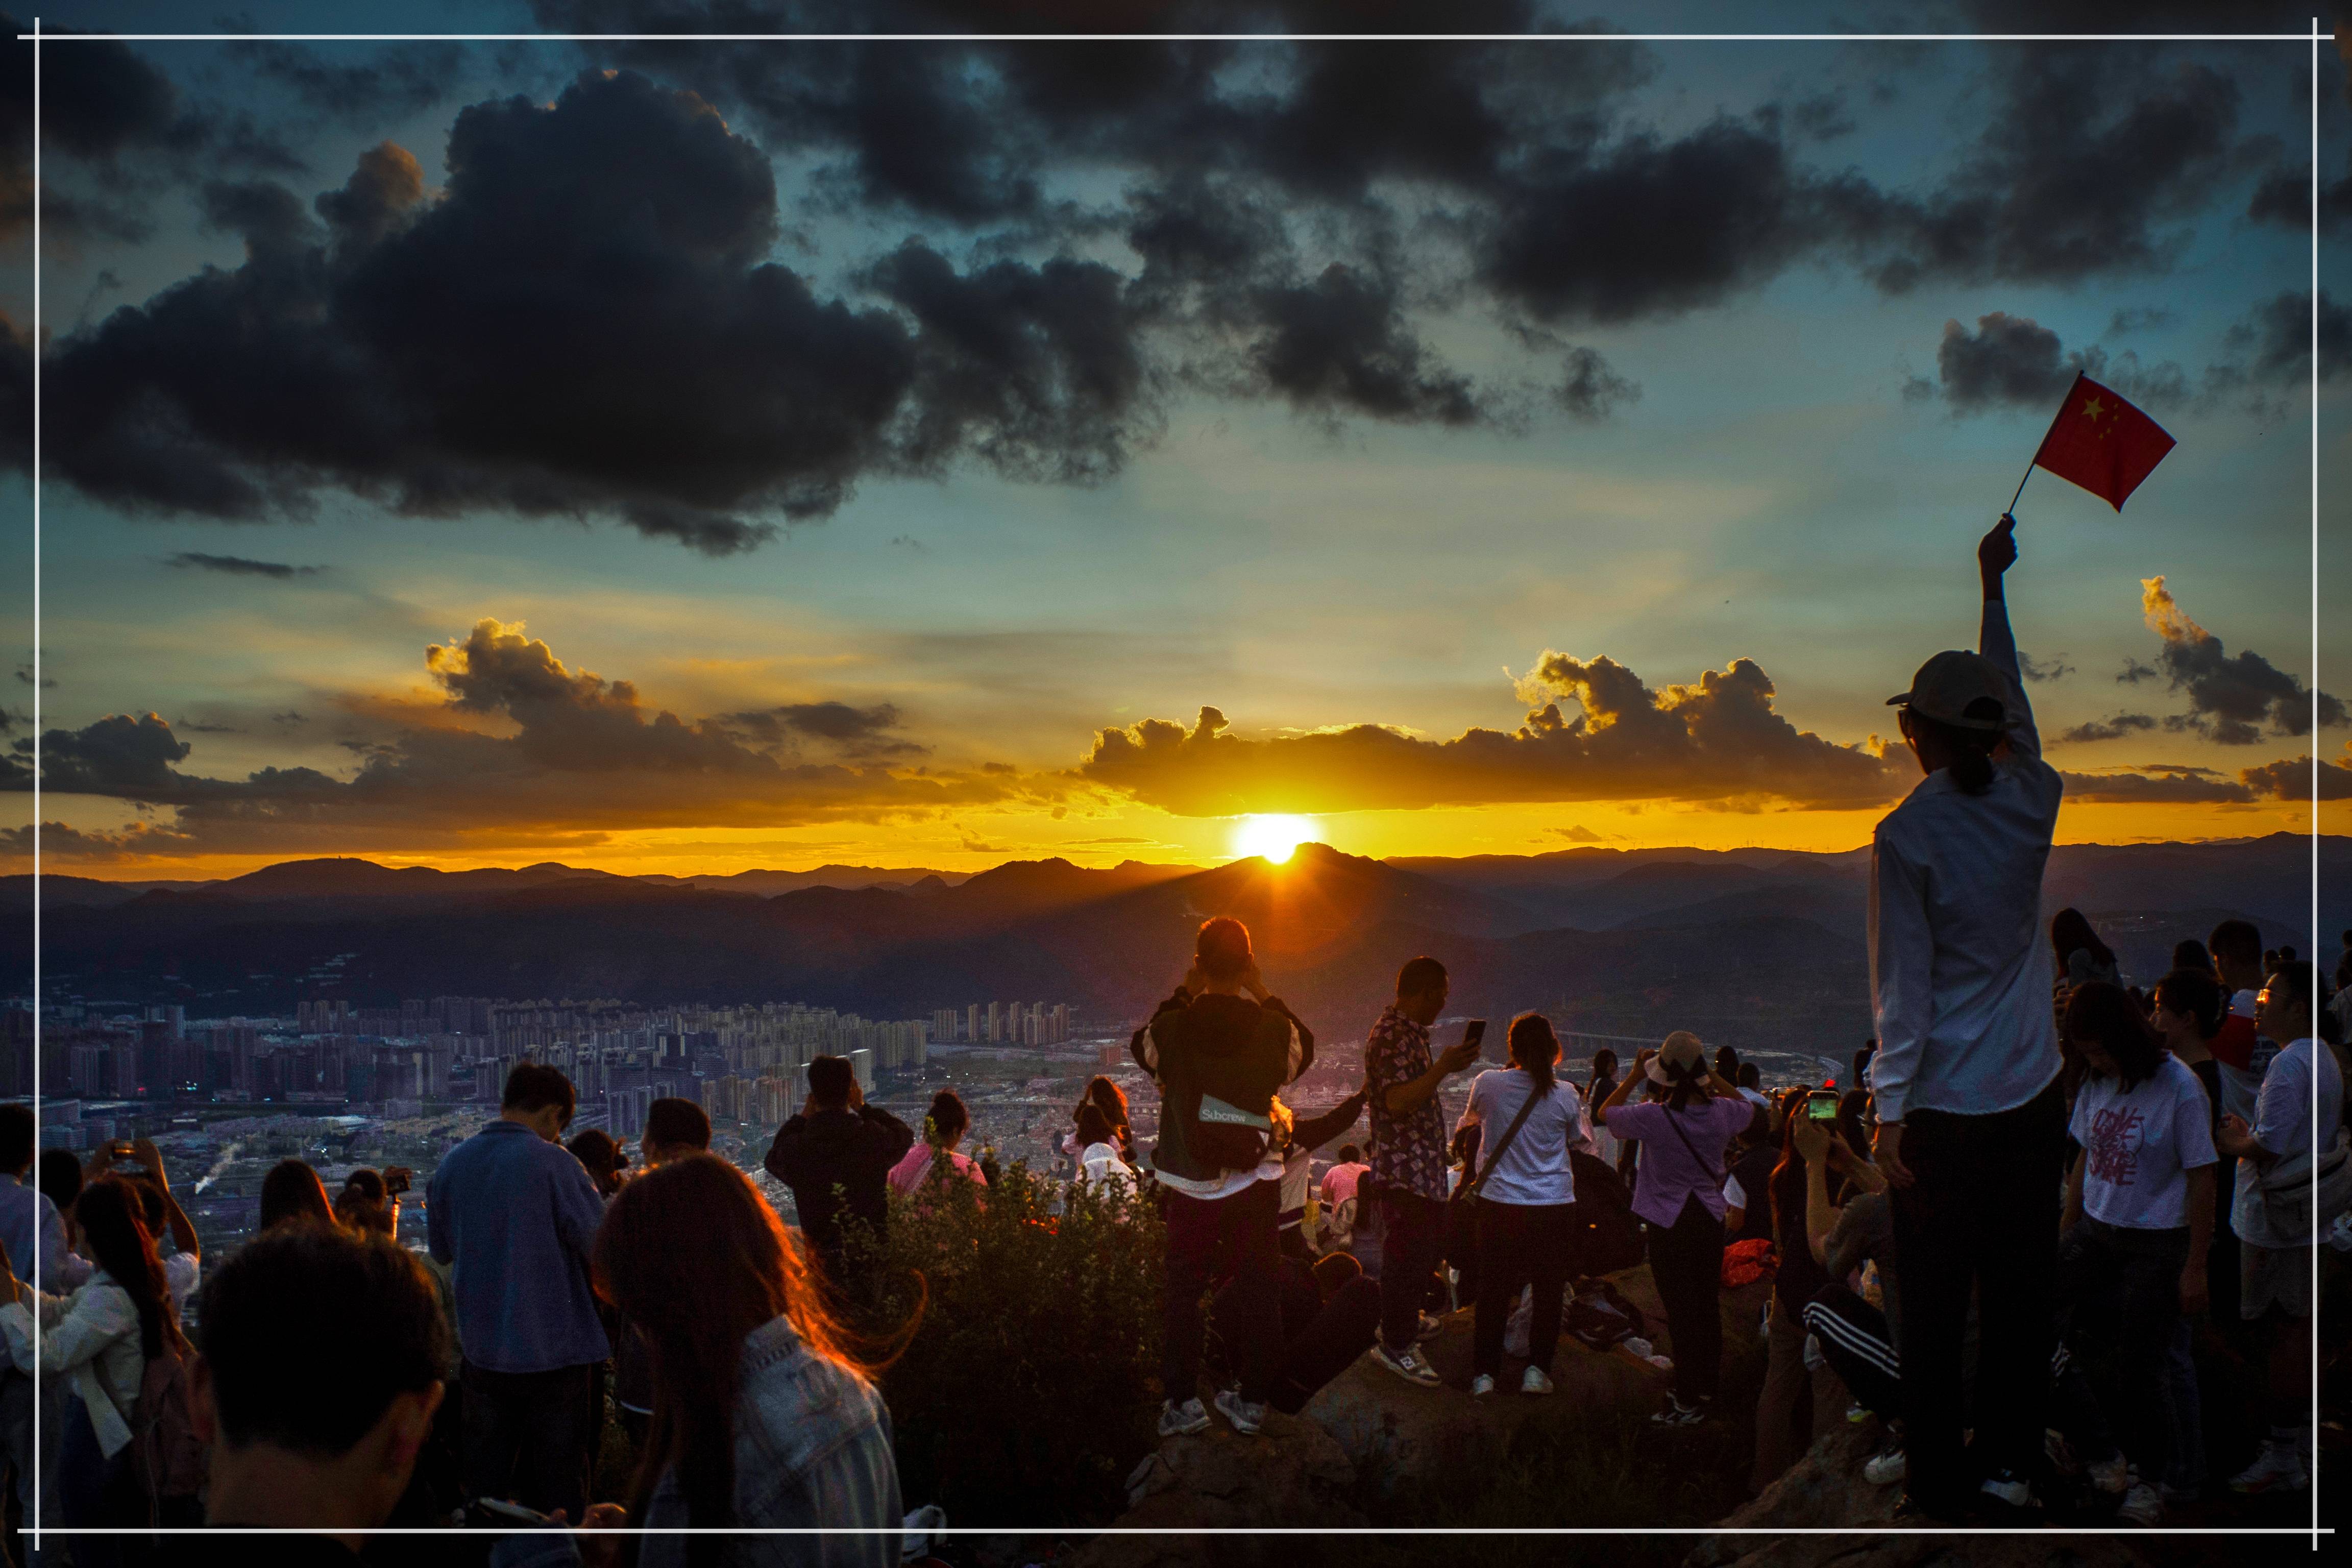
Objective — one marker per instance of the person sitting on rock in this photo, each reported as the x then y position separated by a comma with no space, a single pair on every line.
1331,1315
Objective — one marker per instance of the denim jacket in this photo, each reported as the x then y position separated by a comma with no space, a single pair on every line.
812,1449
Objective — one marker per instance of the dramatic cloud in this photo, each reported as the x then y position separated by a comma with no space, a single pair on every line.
2040,670
2232,697
2293,780
2275,339
239,567
2114,729
857,731
1718,739
523,747
2014,361
2165,786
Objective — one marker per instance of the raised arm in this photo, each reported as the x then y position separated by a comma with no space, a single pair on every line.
1996,553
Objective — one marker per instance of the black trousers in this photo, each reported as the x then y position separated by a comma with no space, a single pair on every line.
1979,1220
2121,1291
1686,1266
1860,1348
1330,1314
1415,1238
1231,1239
529,1436
1520,1244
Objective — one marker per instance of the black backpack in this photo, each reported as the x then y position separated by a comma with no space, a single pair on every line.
1607,1236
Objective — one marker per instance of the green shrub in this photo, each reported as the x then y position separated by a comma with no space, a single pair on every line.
1029,1388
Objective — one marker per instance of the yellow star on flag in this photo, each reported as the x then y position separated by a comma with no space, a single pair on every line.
2092,409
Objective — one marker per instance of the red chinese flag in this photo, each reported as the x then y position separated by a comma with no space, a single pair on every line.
2102,443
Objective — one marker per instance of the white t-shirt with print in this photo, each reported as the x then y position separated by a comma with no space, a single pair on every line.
2140,1144
2282,1125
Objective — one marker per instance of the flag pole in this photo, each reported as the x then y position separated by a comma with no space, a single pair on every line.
2030,466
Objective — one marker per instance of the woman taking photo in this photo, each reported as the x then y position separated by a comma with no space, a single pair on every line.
1596,1095
2138,1219
1678,1196
99,1339
763,1418
1528,1120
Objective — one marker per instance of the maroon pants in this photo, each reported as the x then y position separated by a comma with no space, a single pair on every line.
1228,1238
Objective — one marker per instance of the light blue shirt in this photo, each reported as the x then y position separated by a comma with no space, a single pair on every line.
25,1215
516,1217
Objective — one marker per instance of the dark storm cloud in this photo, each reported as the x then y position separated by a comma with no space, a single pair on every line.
2233,699
2293,780
239,567
586,324
859,732
2014,362
2165,786
2114,729
2275,339
105,108
398,81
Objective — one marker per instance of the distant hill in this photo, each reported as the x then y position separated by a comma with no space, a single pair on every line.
1758,948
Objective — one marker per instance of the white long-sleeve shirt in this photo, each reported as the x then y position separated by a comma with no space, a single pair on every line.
91,1338
1960,978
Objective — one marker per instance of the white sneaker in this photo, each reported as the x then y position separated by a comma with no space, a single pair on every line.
2277,1468
2141,1506
2111,1475
1408,1364
1247,1418
2010,1490
1432,1325
1481,1386
1884,1469
1176,1420
1535,1380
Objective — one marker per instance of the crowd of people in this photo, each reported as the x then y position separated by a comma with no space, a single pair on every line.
2011,1239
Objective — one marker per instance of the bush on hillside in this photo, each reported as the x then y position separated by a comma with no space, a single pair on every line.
1030,1387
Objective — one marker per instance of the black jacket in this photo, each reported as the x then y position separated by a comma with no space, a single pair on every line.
1230,1047
819,1151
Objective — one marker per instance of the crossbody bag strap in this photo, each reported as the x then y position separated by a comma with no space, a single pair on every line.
1471,1188
1674,1122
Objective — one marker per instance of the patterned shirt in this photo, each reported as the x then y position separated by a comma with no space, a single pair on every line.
1408,1150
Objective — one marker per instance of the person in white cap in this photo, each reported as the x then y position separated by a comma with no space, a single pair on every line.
1971,1117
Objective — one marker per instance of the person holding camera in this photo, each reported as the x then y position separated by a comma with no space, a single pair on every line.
1408,1151
1220,1047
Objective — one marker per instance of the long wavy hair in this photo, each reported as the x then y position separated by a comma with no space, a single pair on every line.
696,1259
1101,1092
114,1227
1535,1049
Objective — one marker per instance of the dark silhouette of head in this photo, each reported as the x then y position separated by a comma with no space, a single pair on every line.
2190,953
1350,1154
947,1121
292,1191
830,1079
2237,949
2103,1017
329,1347
61,1178
2194,992
1222,950
17,1136
538,1091
674,1127
602,1158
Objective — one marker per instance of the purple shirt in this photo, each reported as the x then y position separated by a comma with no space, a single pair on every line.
1676,1169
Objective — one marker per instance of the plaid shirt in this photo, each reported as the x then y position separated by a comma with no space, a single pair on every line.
1408,1151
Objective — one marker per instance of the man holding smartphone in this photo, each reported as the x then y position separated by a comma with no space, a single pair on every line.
1409,1156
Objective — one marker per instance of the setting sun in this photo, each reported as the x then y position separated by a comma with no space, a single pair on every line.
1273,838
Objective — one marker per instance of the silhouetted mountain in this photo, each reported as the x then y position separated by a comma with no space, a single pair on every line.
1758,948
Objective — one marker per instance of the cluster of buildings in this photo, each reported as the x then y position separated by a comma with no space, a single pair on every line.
741,1063
1003,1024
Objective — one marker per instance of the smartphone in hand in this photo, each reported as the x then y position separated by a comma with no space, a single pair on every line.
1475,1035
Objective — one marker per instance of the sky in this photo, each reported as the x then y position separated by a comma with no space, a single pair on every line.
695,456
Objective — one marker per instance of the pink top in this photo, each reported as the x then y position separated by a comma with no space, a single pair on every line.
1340,1182
908,1174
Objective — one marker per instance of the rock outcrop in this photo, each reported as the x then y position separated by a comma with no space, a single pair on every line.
1292,1473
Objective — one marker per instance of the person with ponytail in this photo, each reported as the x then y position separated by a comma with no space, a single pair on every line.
1683,1133
99,1339
933,1158
1971,1112
765,1417
1528,1121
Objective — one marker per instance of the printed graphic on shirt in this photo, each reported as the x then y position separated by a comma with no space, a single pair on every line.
2113,1150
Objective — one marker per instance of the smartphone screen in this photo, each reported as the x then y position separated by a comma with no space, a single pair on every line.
1474,1033
1822,1108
